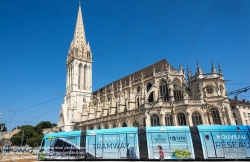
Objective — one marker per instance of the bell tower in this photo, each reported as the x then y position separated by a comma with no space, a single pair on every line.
78,79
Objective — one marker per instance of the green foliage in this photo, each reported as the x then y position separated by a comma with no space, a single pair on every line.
42,125
16,139
4,127
181,154
53,125
32,135
17,127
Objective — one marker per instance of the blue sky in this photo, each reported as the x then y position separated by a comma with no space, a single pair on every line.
35,38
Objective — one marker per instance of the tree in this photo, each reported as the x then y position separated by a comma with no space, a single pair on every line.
42,125
29,132
4,127
53,125
17,127
33,135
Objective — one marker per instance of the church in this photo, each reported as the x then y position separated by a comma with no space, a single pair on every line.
157,95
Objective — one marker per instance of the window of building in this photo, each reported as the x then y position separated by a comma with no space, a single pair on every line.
116,108
124,125
178,95
232,107
136,124
248,114
244,114
85,76
138,102
209,90
236,122
114,126
149,86
181,119
246,122
234,115
155,120
151,97
79,76
215,116
138,90
168,120
106,126
164,91
99,127
196,118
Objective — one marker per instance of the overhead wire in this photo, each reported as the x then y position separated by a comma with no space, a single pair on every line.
131,27
15,111
43,114
194,41
241,82
135,30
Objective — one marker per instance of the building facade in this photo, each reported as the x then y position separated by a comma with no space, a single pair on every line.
240,111
155,95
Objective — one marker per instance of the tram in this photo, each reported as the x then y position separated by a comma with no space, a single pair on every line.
204,142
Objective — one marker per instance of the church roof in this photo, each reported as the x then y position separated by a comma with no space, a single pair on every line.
159,66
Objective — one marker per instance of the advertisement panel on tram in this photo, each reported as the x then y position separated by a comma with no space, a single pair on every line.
225,142
169,142
117,143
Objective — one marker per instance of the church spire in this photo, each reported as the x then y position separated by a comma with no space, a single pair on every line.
79,35
198,68
213,69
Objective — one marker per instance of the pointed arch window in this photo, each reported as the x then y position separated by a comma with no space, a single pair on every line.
181,119
79,76
227,116
124,125
168,120
155,120
106,126
114,126
196,118
151,97
70,76
85,76
164,91
178,93
149,86
91,128
138,102
138,90
136,124
215,116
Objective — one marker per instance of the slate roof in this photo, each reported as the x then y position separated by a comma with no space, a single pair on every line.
159,66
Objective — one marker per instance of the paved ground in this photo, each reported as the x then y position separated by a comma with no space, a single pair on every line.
18,157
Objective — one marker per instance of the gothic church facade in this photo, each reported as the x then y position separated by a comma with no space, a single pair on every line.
155,95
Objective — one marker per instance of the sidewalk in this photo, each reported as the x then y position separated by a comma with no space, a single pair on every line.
18,157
